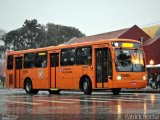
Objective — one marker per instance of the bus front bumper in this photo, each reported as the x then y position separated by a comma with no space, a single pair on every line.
129,84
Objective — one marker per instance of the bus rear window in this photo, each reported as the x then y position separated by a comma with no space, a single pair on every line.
10,63
29,60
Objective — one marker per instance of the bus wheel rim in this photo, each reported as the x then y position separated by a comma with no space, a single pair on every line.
85,86
28,86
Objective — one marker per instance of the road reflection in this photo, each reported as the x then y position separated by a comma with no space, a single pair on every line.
77,105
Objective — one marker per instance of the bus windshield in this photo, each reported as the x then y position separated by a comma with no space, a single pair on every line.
129,60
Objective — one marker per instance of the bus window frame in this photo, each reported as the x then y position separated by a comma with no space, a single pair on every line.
53,63
90,54
17,65
67,58
42,62
10,67
24,66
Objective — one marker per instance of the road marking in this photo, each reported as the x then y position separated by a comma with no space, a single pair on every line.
17,96
113,99
84,100
54,101
124,98
19,102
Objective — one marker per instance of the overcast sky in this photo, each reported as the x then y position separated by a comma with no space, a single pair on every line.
89,16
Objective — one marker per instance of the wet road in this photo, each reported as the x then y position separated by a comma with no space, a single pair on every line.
17,105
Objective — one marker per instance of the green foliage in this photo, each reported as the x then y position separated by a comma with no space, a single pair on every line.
34,35
58,34
2,47
31,35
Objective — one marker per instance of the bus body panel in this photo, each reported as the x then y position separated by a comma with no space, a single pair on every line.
70,76
129,84
38,76
10,79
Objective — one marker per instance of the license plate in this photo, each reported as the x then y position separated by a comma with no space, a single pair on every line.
133,83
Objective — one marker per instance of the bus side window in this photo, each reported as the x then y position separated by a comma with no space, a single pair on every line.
68,56
41,59
10,62
29,60
84,56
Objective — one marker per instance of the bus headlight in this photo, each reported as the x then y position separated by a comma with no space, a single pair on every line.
144,77
119,77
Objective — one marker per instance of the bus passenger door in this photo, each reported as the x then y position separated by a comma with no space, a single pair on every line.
54,63
101,67
18,72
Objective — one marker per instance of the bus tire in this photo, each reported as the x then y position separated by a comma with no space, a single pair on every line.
28,86
54,91
87,86
116,91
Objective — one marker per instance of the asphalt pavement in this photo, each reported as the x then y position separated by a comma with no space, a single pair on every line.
15,104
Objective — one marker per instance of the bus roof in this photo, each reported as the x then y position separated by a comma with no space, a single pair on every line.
69,45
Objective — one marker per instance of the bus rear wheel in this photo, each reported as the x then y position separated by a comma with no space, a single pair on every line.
28,87
116,91
87,87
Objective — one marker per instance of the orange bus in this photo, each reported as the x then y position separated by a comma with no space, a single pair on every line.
104,64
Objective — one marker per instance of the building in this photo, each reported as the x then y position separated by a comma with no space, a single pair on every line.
152,49
152,30
152,52
134,32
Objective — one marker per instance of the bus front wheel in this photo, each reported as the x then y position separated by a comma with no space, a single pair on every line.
87,87
116,91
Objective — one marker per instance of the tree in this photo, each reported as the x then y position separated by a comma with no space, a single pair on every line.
31,35
2,47
34,35
58,34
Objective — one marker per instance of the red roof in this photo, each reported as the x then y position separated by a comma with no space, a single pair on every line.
128,33
109,35
151,41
